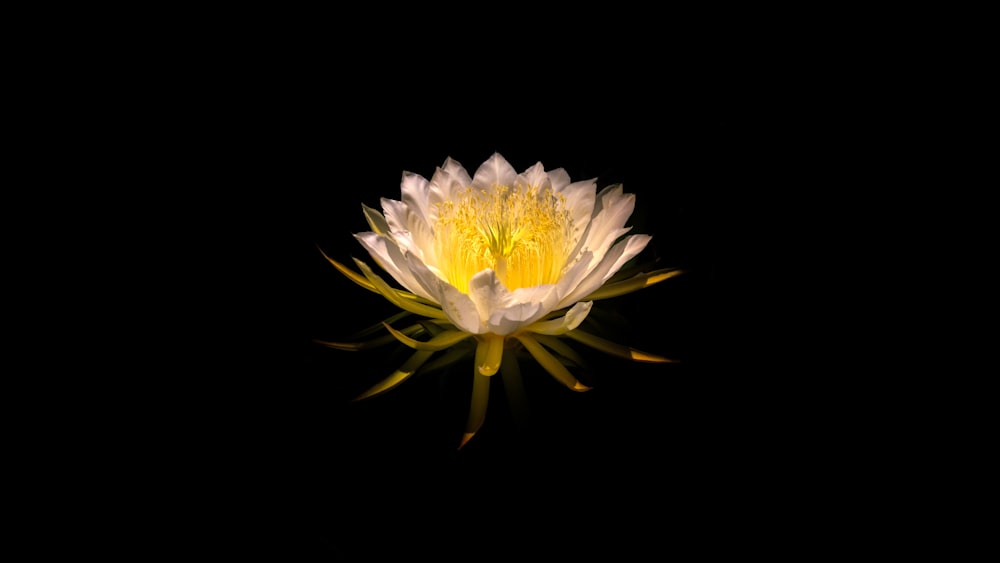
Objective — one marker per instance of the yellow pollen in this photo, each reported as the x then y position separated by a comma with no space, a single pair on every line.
522,233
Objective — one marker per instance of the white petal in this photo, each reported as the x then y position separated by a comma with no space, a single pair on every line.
612,261
496,171
488,293
502,312
576,314
457,306
396,214
569,321
559,179
406,242
535,176
611,211
388,255
527,305
375,244
423,240
633,246
448,180
506,311
409,229
573,277
424,277
415,191
461,310
600,247
615,208
508,321
545,295
580,198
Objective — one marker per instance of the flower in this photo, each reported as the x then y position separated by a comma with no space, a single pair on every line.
503,260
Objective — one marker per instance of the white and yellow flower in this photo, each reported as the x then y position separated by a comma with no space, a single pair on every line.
503,260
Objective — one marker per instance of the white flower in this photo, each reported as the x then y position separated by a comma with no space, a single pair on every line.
500,257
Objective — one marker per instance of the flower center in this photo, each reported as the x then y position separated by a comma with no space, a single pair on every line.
522,233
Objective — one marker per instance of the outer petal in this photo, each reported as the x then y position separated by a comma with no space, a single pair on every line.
577,314
612,210
409,229
488,293
397,214
375,220
457,306
561,325
580,198
633,246
422,274
610,263
416,191
572,278
496,171
388,255
460,309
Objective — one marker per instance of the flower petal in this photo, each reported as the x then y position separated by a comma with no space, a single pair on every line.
388,255
446,339
397,215
634,283
460,310
505,311
565,323
457,306
557,345
559,179
394,296
551,364
535,176
615,349
407,244
400,375
620,253
490,296
415,190
611,211
580,198
428,280
573,277
527,305
447,180
409,229
496,171
634,244
375,220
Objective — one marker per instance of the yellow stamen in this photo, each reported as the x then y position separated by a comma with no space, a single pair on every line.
523,233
